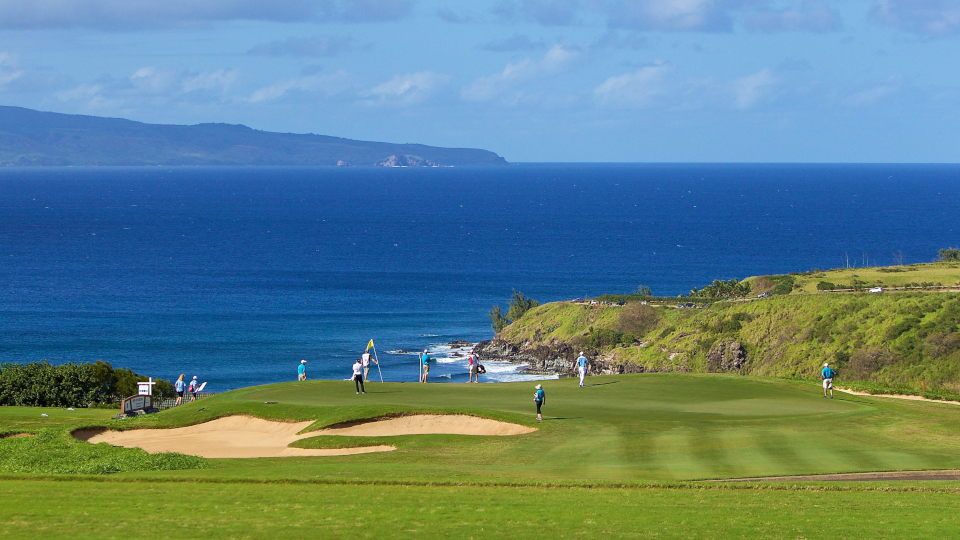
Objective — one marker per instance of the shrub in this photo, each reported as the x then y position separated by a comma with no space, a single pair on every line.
638,319
41,384
721,289
605,338
866,362
826,286
950,255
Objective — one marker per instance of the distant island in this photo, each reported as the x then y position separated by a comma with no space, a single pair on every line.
35,138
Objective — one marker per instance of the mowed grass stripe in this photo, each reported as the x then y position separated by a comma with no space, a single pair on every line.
643,427
81,510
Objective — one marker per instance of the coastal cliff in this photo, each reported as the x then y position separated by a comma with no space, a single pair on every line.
905,338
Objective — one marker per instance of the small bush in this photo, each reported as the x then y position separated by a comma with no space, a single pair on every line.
638,319
866,362
950,255
826,286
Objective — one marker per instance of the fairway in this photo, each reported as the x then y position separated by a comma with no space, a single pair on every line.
616,457
629,428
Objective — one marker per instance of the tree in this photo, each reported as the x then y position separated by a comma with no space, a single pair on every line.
499,321
950,255
643,290
519,305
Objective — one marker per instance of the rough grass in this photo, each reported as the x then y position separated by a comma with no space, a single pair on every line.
45,509
54,451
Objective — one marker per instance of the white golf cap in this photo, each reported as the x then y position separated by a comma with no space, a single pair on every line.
424,350
539,387
581,353
826,365
194,376
303,361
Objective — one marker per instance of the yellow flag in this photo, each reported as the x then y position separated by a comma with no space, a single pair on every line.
369,344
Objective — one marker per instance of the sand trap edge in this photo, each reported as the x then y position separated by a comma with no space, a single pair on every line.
394,425
243,436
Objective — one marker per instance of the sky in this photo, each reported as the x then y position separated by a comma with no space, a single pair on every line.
533,80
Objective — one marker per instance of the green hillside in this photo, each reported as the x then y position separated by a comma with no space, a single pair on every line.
897,339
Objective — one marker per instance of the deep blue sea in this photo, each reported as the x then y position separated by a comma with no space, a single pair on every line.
235,274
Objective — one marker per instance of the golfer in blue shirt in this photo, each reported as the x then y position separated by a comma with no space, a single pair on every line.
539,397
827,375
582,367
302,371
425,366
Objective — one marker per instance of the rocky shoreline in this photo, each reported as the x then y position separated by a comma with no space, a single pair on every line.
558,358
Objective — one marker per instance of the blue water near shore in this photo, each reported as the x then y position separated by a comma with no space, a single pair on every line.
235,274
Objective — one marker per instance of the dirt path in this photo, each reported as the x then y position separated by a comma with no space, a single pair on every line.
895,396
855,477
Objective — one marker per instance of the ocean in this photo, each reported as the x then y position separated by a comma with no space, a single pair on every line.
235,274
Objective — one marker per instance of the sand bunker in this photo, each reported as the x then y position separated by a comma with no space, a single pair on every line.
230,437
896,396
426,424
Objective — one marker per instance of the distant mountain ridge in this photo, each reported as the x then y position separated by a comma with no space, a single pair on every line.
35,138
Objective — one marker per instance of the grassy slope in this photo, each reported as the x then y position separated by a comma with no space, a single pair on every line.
789,335
649,427
123,510
620,429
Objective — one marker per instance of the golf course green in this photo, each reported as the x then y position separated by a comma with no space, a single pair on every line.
627,456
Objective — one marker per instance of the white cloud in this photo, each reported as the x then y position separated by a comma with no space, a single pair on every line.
405,89
873,95
637,89
138,14
680,15
9,69
810,16
80,92
544,12
150,80
928,17
750,89
316,46
325,84
557,59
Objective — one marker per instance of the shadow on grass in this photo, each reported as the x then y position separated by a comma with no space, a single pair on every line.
602,383
563,418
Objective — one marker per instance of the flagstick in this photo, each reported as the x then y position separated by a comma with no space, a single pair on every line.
378,362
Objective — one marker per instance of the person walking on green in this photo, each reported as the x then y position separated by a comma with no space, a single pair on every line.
302,371
827,374
582,367
424,366
539,397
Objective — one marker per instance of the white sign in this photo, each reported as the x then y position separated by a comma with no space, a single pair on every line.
145,388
